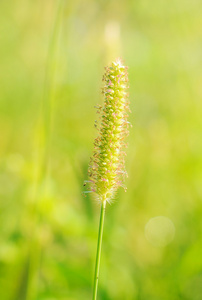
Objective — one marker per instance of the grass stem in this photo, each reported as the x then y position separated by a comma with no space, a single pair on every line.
99,246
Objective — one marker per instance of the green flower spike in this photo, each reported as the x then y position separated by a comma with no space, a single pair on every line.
107,166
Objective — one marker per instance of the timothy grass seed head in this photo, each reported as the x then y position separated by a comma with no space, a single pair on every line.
107,166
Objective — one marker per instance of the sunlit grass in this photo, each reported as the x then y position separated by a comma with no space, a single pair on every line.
161,44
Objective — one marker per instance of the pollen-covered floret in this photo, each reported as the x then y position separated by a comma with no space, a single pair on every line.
107,166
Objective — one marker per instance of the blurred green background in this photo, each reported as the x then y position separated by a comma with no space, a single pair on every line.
52,58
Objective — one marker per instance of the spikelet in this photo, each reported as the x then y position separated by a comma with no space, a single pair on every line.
107,166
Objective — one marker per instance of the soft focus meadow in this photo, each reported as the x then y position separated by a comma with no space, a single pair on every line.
52,59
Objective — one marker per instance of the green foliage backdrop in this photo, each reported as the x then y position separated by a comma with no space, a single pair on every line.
52,58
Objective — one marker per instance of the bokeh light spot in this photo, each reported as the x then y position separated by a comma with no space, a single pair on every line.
160,231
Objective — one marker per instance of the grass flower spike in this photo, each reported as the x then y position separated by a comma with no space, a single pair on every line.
107,167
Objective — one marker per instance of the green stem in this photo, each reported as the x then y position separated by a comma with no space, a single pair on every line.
44,156
99,246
